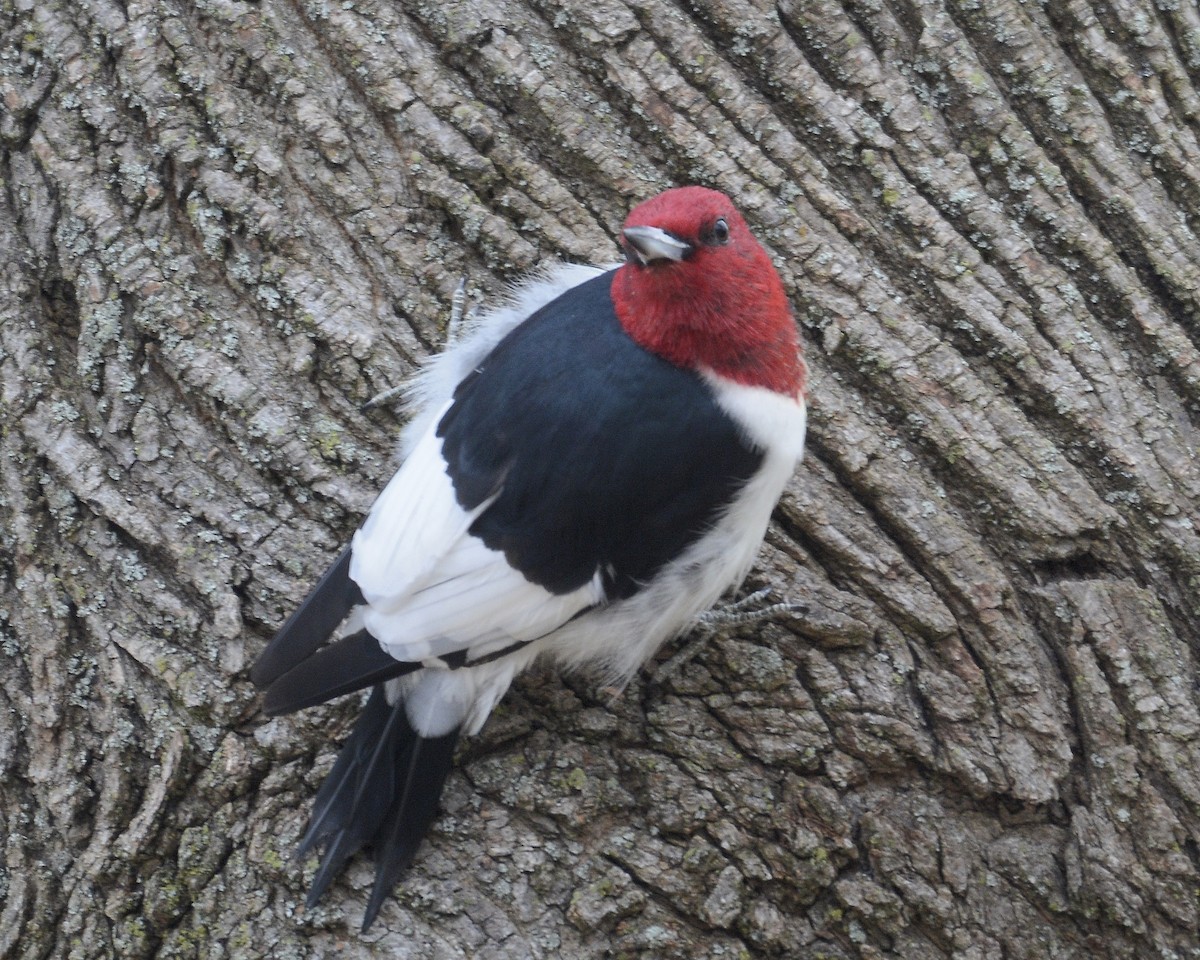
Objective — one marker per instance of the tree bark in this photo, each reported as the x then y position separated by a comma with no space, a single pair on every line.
228,224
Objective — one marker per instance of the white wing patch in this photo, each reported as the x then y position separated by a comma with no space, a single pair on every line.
431,588
410,526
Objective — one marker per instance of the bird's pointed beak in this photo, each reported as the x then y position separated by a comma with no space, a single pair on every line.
647,244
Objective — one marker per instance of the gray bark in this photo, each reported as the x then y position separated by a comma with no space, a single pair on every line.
227,224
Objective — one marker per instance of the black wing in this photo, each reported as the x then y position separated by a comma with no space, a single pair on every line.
608,457
298,674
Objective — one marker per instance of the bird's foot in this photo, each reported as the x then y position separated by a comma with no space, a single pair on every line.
459,318
722,620
459,315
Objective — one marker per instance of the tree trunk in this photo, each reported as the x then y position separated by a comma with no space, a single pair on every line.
228,224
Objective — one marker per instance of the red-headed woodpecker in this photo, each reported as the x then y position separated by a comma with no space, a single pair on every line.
585,472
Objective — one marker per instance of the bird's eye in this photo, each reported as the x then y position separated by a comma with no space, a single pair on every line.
720,231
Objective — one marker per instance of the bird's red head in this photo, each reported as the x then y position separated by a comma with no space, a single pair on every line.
699,291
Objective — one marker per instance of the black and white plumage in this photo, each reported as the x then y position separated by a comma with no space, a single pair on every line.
571,487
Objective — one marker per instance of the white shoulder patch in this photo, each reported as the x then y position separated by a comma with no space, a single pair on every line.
773,422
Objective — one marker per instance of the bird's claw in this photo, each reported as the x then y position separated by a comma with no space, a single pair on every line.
459,318
748,609
723,619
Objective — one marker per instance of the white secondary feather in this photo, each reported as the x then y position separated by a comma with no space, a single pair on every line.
432,589
412,526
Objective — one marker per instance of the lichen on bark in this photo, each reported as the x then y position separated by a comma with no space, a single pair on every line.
226,225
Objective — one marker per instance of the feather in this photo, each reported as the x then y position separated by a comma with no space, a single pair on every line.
312,623
346,665
414,523
433,589
382,793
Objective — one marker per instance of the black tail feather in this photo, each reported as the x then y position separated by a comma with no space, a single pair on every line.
383,794
311,624
358,757
408,821
349,664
